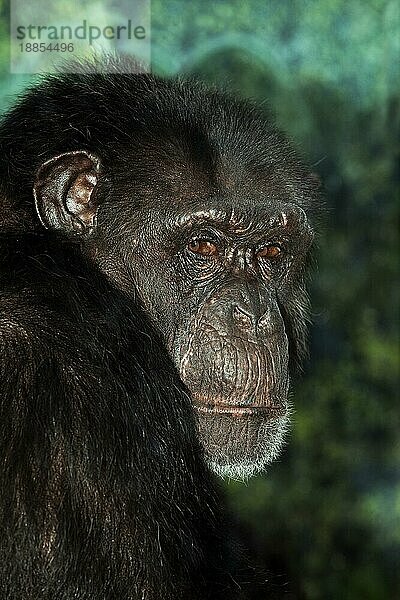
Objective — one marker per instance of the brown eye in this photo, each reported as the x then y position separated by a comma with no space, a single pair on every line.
270,251
203,247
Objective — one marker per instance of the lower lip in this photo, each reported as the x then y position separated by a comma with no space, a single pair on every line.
265,411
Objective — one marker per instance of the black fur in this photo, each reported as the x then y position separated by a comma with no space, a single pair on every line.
104,494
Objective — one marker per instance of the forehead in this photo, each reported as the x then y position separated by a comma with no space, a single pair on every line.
229,156
179,178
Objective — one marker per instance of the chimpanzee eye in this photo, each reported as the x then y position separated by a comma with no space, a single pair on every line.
270,251
203,247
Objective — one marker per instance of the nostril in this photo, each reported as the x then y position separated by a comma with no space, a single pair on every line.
243,318
267,324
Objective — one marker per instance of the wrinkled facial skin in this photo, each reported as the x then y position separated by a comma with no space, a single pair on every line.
214,280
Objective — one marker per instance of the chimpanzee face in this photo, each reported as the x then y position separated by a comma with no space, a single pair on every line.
213,279
215,252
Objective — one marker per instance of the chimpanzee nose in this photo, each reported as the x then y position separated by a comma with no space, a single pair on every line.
247,306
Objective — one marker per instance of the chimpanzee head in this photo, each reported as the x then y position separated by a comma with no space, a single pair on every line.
194,204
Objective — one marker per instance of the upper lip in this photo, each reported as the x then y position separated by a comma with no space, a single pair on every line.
242,409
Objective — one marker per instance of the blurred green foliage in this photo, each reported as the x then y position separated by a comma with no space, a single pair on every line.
327,515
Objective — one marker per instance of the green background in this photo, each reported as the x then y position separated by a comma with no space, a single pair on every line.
326,516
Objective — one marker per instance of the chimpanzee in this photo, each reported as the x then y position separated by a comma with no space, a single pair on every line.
154,236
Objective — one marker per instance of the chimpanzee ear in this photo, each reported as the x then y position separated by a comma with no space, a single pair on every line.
64,192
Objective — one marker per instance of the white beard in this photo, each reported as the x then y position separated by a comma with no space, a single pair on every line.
271,439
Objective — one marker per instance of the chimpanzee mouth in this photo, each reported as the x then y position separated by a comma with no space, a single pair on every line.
241,409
